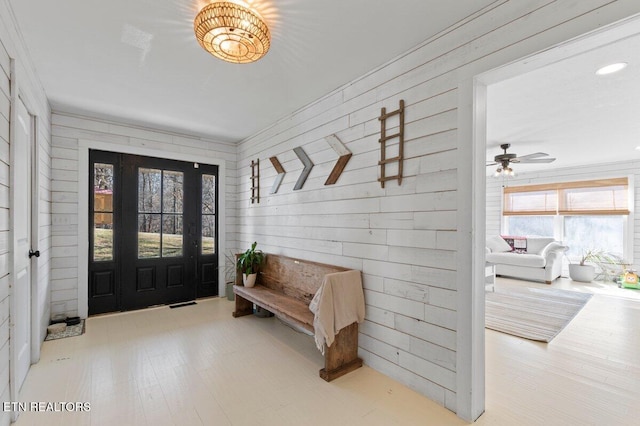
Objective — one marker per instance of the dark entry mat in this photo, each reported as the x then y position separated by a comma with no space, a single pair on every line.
180,305
71,331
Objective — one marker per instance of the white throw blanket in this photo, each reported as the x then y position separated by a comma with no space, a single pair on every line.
338,303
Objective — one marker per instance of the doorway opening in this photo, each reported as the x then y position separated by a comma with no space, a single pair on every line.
486,217
153,226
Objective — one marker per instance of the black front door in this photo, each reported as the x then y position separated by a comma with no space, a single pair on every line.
153,225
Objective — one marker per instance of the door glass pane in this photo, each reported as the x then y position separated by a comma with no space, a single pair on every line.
208,234
102,236
103,212
103,187
149,184
172,192
208,194
208,214
172,235
148,235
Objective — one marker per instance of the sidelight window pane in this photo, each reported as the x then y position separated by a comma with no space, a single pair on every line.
208,194
172,235
208,234
148,235
103,212
103,187
172,191
102,237
149,190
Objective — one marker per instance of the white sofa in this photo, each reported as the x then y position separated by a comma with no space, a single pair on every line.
542,260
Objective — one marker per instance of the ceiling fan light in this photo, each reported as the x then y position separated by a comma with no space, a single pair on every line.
232,32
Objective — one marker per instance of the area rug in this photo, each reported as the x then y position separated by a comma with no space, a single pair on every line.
533,313
71,331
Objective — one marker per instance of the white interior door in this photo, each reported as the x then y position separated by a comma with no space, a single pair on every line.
20,309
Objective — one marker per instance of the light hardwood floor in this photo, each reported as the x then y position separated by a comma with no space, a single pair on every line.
198,365
587,375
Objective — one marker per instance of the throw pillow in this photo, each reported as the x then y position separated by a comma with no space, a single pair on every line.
518,244
554,246
497,244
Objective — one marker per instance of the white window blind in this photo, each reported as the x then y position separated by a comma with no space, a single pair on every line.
593,197
531,202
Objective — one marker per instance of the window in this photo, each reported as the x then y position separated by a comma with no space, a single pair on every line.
160,211
585,214
208,245
102,212
584,232
531,225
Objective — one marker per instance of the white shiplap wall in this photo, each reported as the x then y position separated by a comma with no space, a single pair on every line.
629,169
69,132
404,238
30,89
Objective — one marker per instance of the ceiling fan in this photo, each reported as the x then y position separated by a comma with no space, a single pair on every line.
503,160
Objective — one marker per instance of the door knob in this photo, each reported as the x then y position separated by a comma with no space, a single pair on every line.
34,253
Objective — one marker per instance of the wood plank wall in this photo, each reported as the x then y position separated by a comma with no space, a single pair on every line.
403,238
11,46
67,130
597,171
5,104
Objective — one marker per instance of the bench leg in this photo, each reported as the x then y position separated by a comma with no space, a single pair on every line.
342,356
243,307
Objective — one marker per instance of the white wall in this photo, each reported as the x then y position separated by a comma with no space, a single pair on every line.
72,134
413,242
598,171
30,89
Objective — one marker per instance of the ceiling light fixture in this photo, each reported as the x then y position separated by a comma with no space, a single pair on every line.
504,170
232,32
610,69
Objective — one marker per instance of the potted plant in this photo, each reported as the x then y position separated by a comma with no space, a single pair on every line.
585,270
248,263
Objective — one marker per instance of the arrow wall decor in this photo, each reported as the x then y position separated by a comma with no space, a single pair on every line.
279,177
308,165
344,154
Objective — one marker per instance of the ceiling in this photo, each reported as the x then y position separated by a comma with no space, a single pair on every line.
138,60
568,112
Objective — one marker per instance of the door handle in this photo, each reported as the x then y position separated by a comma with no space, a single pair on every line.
34,253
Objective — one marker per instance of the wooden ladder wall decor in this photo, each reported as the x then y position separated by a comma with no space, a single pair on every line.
255,181
384,115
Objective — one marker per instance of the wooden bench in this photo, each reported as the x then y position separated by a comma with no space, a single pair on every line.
285,286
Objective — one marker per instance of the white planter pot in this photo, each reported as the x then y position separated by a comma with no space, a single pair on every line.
249,280
583,273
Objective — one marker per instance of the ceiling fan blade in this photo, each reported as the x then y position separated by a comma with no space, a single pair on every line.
536,160
534,155
493,163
